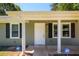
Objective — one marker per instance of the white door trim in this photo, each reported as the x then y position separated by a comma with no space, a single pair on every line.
39,34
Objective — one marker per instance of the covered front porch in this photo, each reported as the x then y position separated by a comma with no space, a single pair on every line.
52,45
51,51
59,18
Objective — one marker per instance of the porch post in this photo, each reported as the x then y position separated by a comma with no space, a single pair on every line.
23,37
59,37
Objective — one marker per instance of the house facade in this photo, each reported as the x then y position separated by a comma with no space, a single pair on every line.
40,28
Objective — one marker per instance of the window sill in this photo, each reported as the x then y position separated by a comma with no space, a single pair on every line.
14,38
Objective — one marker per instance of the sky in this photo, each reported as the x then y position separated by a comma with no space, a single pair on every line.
35,6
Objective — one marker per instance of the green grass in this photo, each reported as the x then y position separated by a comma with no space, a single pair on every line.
9,53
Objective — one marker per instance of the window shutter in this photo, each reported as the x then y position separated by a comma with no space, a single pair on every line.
7,30
72,30
49,30
20,30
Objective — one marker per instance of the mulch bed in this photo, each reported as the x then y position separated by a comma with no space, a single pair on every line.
10,48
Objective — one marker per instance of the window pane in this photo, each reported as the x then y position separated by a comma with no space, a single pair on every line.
14,27
14,30
55,30
65,31
14,33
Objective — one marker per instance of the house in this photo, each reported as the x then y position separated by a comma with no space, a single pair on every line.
39,28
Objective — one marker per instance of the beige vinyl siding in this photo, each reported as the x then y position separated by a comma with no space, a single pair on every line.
30,33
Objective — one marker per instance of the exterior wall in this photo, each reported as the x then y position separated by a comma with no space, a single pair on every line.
4,41
29,33
50,41
30,36
66,41
13,42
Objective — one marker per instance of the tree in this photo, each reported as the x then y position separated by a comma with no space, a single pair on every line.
65,6
8,7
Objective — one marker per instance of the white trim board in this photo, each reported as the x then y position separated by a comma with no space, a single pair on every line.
11,31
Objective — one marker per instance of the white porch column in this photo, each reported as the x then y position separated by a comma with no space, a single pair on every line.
59,37
23,37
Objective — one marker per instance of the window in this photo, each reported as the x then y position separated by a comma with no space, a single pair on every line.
14,30
65,30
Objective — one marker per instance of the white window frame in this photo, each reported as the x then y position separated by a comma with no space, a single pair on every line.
69,30
62,29
11,31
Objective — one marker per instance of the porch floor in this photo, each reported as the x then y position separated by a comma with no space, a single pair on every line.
50,50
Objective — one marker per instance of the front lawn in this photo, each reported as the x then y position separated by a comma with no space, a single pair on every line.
10,53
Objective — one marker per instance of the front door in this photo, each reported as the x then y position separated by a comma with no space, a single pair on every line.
39,34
